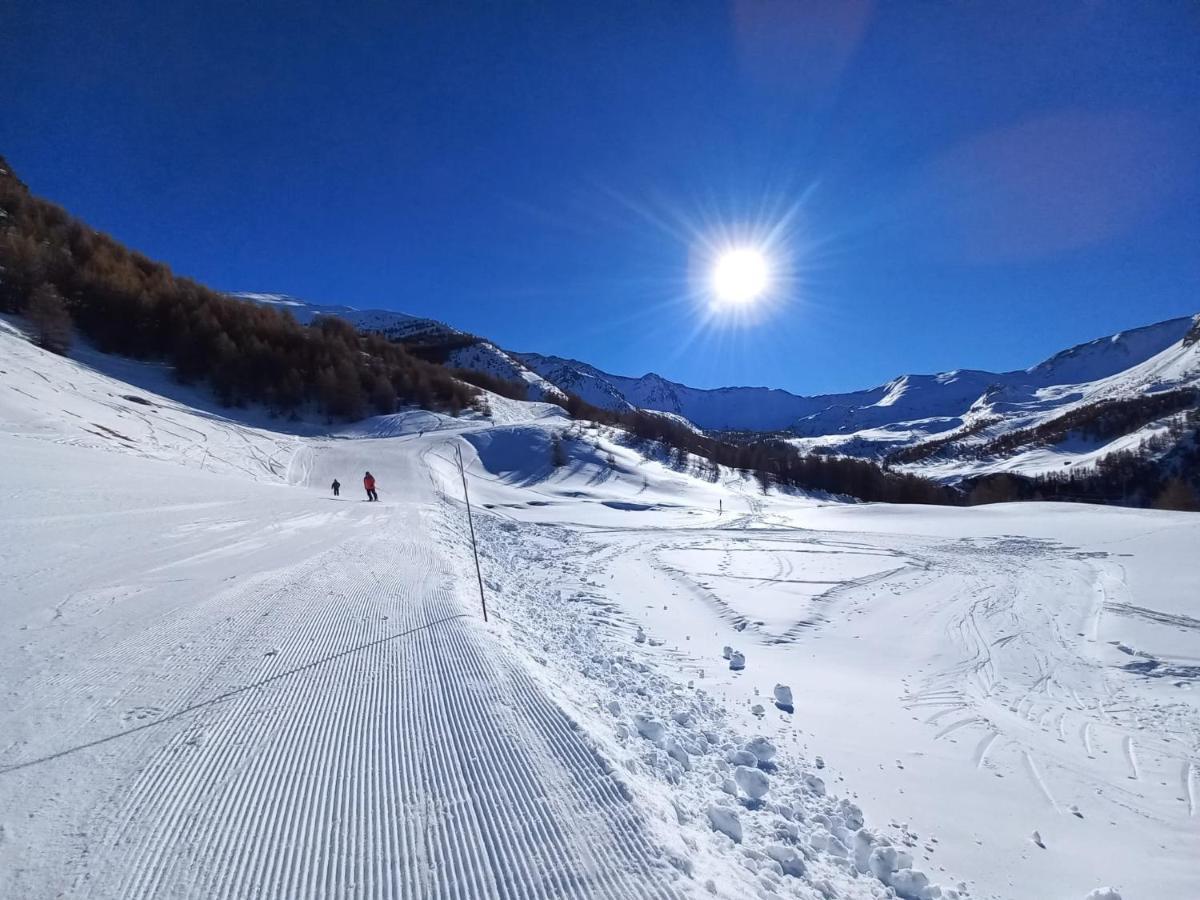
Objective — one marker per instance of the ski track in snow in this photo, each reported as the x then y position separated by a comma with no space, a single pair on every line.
1036,775
311,755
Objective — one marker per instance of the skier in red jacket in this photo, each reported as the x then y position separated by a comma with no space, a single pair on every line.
369,484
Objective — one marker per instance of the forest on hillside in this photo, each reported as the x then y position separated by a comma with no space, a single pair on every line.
64,275
1162,471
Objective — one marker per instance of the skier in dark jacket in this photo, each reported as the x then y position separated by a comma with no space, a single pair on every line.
337,486
369,484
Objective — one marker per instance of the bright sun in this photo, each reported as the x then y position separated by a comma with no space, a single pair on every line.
740,276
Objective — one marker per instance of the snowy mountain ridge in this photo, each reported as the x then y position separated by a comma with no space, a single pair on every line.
937,400
462,350
394,325
966,408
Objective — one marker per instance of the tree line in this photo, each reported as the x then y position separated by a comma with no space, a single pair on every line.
1162,471
505,387
65,275
934,446
772,461
1101,420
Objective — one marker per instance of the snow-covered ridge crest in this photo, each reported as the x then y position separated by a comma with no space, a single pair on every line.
392,324
463,350
945,396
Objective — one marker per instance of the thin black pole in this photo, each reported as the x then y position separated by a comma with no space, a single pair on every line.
471,523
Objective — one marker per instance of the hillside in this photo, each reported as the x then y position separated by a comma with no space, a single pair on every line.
225,682
68,279
425,337
1129,399
909,406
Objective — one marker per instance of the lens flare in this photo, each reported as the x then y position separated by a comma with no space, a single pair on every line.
741,275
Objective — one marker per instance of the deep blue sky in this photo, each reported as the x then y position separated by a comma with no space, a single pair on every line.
976,185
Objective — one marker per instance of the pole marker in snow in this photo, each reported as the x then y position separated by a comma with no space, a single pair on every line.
470,522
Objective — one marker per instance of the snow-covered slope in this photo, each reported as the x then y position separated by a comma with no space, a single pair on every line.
486,357
394,325
957,415
463,350
223,682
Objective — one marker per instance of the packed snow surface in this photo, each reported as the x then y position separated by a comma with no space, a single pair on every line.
220,681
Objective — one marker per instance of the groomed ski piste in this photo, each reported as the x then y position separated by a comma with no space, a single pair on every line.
219,681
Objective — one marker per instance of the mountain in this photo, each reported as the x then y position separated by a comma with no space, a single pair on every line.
428,337
1130,392
938,402
394,325
913,410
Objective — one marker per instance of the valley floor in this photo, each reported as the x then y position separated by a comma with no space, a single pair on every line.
218,681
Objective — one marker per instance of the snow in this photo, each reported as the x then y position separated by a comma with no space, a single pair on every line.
486,357
783,697
222,682
753,783
763,750
726,821
394,325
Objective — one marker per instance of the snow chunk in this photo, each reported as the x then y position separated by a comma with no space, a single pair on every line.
649,728
885,859
726,821
676,752
864,843
752,781
851,814
763,750
741,758
911,884
783,697
1104,893
737,661
789,860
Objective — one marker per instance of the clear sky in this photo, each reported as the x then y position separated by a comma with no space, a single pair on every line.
946,184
